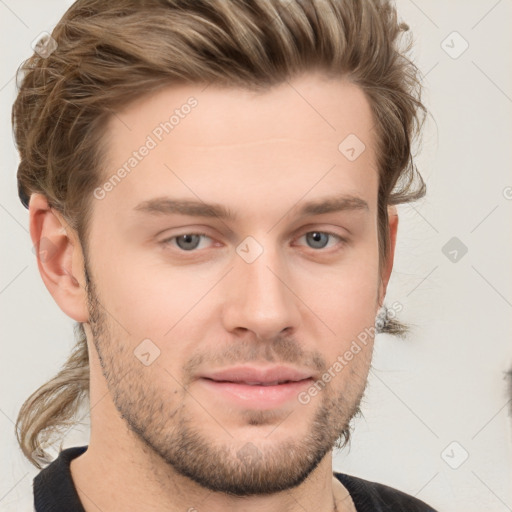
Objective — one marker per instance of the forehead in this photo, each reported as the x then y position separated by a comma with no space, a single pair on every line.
255,152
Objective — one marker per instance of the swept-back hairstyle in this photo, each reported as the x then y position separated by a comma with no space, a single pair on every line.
107,54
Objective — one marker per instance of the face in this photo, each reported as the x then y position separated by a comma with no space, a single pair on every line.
216,322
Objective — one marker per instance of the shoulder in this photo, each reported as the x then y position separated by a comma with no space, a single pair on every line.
377,497
54,488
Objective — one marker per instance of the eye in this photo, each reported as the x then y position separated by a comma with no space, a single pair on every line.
319,239
190,242
187,242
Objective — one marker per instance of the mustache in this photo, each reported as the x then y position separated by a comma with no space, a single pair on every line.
278,350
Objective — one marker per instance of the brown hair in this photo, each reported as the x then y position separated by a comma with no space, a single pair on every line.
110,53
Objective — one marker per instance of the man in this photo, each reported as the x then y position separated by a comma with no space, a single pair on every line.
274,139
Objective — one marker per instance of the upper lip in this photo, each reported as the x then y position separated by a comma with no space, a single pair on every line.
259,375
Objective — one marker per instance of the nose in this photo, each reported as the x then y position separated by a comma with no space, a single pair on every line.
260,297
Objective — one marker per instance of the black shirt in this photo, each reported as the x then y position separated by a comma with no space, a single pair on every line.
54,490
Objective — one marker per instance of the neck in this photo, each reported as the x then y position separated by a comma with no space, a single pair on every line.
116,479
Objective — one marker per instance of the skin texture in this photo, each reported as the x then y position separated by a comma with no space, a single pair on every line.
161,439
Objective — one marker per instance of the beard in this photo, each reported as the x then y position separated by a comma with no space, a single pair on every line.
166,429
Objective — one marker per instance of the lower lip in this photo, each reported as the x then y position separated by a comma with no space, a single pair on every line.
264,397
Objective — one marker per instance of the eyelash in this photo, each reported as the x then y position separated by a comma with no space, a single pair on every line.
167,241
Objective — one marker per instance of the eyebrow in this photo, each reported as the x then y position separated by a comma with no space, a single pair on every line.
168,206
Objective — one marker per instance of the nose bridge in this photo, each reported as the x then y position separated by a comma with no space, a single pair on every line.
262,300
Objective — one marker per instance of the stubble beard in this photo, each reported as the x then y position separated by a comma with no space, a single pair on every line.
166,430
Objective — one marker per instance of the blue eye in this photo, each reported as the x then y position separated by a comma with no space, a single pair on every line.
319,239
190,242
187,242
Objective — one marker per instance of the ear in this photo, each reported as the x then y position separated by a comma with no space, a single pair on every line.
388,267
59,258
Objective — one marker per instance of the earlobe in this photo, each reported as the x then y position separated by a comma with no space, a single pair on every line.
59,258
393,230
388,267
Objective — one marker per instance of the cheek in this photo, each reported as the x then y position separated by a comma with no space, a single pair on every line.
157,306
345,301
345,295
146,299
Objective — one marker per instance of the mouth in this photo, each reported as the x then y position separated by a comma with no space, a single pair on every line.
258,388
256,383
258,375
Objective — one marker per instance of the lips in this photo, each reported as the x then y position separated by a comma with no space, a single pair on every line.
275,383
253,387
258,376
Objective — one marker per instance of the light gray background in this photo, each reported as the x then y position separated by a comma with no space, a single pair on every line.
446,383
